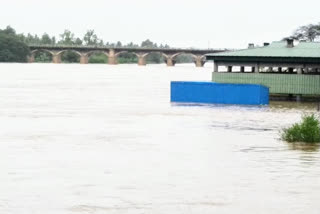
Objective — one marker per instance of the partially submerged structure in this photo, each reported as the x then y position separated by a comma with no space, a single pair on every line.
285,68
219,93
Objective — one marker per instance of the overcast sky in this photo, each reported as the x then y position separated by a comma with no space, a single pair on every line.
179,23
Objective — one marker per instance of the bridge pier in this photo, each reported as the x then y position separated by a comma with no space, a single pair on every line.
31,58
56,58
84,59
112,58
170,61
142,60
199,61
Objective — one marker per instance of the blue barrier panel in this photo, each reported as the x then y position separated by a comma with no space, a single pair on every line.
220,93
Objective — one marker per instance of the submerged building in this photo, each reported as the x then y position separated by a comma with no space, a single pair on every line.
285,68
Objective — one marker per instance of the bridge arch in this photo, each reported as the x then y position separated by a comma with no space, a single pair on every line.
70,51
156,52
174,56
69,56
41,55
97,57
126,52
127,57
41,50
90,53
156,57
185,57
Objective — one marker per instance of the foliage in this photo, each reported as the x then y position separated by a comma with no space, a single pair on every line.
99,58
47,40
184,58
12,49
78,41
309,32
90,38
127,58
42,56
67,38
307,131
70,57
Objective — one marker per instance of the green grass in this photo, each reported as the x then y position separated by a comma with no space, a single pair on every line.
308,131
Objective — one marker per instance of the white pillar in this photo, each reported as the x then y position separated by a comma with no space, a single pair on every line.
216,67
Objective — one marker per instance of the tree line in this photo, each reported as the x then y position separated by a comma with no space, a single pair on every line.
309,33
14,47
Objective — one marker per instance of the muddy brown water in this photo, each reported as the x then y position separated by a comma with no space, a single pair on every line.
106,139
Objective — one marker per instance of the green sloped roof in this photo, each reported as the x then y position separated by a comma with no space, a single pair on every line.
277,49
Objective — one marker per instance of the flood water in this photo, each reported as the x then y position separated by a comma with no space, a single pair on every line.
78,139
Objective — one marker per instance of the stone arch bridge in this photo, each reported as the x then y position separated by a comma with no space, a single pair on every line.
85,52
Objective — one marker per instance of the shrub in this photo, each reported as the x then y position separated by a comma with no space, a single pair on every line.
98,59
307,131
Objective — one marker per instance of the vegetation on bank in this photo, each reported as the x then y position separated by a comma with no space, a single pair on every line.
308,131
12,49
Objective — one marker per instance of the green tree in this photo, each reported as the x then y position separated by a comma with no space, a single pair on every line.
30,39
98,58
12,49
78,41
309,32
152,57
147,44
119,44
131,45
90,38
9,31
46,40
67,38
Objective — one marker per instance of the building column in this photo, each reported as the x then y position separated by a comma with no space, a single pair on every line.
270,69
257,68
142,60
242,68
112,58
229,68
280,69
299,72
199,61
215,67
84,59
56,58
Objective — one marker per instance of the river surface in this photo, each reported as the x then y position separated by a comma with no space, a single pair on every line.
95,139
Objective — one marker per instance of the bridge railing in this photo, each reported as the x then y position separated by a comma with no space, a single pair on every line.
119,48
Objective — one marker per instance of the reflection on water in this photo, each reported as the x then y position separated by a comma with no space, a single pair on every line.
106,139
304,147
307,106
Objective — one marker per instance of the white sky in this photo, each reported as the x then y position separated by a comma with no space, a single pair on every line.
179,23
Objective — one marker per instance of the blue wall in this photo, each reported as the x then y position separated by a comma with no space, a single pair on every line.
210,92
